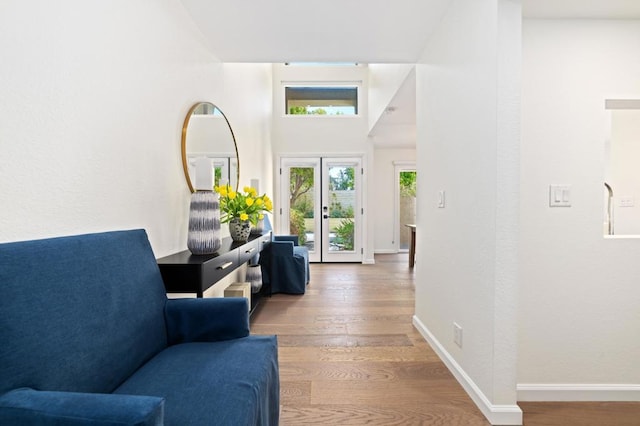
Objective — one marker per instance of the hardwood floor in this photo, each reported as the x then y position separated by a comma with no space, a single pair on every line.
581,413
349,355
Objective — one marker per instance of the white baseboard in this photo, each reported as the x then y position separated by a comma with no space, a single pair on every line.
577,392
385,251
368,262
495,414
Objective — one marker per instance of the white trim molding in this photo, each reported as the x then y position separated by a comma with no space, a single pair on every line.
578,392
495,414
385,251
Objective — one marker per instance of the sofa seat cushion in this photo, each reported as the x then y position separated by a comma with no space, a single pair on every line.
234,382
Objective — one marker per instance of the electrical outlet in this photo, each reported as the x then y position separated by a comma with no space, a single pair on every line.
457,334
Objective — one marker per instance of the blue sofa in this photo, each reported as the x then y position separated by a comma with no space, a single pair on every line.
88,336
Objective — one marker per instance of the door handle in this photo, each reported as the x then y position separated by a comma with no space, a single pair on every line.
325,216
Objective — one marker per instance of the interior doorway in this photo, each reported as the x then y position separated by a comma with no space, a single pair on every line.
405,205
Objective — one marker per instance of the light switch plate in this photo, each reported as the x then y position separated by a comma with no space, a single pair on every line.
626,202
559,195
441,199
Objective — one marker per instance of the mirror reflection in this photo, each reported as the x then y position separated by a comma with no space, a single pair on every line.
207,133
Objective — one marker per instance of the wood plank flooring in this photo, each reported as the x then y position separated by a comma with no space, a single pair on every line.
349,355
581,413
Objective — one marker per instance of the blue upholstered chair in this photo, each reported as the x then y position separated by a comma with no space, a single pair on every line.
284,264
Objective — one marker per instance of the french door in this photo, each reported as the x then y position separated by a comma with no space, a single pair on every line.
324,206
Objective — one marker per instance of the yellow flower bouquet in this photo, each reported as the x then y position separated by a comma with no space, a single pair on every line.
243,206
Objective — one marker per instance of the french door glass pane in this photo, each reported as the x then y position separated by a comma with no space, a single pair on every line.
342,202
302,205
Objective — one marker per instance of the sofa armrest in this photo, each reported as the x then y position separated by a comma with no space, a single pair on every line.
26,406
206,320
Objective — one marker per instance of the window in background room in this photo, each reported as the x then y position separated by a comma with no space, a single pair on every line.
321,100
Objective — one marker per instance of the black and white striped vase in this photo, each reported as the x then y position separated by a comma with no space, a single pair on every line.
204,223
254,276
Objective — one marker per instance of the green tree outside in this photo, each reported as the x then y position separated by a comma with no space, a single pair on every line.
301,110
408,184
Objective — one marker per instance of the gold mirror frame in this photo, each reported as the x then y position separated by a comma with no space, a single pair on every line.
185,158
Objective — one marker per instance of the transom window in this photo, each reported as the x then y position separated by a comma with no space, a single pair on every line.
321,100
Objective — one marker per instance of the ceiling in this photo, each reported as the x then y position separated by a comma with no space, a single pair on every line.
363,31
581,9
396,128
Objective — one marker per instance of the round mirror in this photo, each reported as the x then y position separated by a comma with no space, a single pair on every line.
207,133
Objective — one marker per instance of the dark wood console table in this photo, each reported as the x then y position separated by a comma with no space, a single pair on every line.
184,272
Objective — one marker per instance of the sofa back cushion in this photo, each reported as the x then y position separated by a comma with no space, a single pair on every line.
79,313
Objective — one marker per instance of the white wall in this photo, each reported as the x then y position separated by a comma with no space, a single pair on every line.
93,105
579,318
466,270
325,136
248,104
386,239
319,134
94,95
